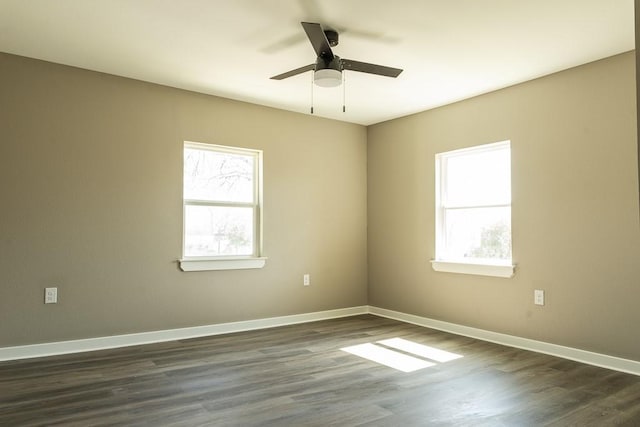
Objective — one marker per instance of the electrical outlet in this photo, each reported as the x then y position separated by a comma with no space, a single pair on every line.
50,295
306,280
538,297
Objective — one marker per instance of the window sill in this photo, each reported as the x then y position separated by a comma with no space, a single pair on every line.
494,270
196,264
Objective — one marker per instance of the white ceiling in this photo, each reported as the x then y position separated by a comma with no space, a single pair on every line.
449,49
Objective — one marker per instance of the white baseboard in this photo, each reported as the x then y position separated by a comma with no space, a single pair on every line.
101,343
583,356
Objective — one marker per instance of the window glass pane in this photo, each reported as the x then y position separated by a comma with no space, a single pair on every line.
482,178
478,233
218,176
217,230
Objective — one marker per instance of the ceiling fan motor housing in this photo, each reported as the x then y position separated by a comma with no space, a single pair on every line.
332,37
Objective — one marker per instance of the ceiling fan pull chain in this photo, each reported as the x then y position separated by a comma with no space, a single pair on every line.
344,91
311,93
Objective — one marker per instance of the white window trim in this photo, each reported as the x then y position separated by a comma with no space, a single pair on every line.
494,270
210,264
254,261
476,267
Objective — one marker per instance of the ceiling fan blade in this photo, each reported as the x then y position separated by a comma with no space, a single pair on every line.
365,67
318,40
294,72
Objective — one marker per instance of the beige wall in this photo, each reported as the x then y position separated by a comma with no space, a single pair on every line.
575,224
636,10
90,184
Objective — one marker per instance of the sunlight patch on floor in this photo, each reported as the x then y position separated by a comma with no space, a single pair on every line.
420,350
387,357
393,353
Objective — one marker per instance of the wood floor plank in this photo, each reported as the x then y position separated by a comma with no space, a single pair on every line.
299,376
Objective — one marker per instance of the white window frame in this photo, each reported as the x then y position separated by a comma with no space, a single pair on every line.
207,263
495,268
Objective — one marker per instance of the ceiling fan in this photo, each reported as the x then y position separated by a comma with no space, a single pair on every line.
328,67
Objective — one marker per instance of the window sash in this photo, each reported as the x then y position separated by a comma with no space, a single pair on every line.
254,235
217,149
456,232
443,173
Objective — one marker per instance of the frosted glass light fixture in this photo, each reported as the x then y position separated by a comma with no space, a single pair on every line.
327,77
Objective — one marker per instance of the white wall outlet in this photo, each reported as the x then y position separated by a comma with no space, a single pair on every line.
538,297
306,280
50,295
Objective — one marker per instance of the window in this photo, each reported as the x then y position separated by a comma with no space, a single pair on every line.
222,212
473,210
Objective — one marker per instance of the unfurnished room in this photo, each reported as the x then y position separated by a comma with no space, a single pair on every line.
319,212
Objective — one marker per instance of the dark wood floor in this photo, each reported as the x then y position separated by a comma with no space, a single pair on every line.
299,376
